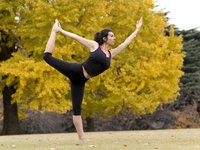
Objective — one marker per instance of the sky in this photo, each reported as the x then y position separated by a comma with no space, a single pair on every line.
184,14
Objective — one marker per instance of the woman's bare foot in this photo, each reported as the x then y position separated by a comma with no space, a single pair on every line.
83,139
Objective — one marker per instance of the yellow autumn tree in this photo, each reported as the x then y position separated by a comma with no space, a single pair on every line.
147,73
143,76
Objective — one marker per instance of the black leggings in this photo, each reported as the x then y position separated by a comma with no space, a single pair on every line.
74,72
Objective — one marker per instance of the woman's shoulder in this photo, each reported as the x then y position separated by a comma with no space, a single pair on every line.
95,47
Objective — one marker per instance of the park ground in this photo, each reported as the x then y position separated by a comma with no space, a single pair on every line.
181,139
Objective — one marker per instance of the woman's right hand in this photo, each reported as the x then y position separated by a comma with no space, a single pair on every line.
56,26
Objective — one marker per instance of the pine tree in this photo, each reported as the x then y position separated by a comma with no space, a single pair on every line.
191,80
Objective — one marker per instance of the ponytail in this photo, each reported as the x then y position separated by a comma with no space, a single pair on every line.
97,37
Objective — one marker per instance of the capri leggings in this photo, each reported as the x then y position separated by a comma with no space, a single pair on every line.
74,72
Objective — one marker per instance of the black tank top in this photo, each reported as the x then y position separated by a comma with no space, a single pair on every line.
97,62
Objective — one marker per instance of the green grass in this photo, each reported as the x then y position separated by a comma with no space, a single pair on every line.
183,139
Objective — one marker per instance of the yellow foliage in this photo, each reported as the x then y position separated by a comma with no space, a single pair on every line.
145,75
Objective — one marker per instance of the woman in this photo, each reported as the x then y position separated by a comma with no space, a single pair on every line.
97,62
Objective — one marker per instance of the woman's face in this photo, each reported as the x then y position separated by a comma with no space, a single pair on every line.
110,40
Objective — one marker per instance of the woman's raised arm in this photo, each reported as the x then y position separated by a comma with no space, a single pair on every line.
92,45
128,40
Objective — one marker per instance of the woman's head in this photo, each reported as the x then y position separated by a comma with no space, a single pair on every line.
105,36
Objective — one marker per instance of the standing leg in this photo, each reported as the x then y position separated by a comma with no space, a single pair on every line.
73,71
78,123
77,91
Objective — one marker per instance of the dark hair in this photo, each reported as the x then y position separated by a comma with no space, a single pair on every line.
98,37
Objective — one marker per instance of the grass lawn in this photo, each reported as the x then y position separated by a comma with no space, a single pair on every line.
182,139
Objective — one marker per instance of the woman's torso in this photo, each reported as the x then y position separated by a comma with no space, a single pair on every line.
97,62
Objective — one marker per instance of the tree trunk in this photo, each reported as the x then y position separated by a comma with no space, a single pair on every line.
90,124
11,121
198,107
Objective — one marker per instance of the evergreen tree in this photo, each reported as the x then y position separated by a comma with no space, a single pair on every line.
191,79
191,67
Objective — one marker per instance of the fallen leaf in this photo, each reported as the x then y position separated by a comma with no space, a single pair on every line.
92,146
